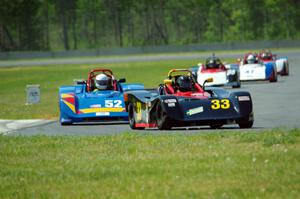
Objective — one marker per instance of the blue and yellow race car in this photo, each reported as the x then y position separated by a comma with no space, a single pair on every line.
83,103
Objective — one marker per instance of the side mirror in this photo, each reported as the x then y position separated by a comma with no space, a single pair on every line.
209,80
122,80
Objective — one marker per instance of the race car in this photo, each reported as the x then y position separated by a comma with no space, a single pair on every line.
223,75
253,68
83,102
181,101
281,63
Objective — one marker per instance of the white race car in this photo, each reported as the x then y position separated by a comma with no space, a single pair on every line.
253,68
222,75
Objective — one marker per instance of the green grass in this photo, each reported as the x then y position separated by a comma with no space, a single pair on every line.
210,165
14,80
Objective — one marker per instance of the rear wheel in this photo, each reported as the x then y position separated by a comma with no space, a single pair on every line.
131,117
162,120
286,71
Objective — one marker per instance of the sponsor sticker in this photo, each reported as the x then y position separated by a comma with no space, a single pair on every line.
169,101
195,111
244,98
171,104
95,106
102,113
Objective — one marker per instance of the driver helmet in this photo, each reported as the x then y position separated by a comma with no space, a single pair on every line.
184,83
266,55
213,62
251,59
102,82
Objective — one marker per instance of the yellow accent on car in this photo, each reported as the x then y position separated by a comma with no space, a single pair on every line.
64,95
71,106
95,110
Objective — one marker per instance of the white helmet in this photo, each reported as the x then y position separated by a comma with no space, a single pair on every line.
251,59
102,81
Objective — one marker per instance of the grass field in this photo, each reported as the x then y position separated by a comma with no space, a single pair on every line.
207,165
14,80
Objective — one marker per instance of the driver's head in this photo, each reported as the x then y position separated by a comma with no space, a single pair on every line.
251,59
184,83
213,62
266,55
103,82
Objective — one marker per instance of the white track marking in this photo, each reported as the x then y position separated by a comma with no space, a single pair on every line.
10,126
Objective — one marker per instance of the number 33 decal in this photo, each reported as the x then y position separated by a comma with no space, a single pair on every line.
217,104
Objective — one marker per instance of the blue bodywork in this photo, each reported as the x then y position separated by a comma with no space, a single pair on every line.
270,69
76,104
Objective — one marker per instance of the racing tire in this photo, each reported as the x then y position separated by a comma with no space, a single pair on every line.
162,120
246,125
131,118
216,126
62,122
274,76
237,86
286,71
65,123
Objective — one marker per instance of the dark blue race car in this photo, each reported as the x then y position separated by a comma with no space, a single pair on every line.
80,103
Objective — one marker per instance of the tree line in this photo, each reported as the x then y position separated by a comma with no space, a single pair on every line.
88,24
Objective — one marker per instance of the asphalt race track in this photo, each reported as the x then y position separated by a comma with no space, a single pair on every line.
276,105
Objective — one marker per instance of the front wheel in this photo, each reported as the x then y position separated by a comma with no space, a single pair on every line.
238,85
131,117
162,120
273,78
246,125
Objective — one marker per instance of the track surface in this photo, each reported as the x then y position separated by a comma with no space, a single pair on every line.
275,105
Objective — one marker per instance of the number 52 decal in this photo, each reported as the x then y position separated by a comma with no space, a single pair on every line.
113,103
223,104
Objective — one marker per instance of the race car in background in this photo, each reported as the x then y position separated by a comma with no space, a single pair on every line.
82,102
223,75
181,101
251,67
282,63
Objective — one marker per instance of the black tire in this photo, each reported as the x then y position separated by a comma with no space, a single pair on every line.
246,125
131,118
274,76
286,71
216,126
65,123
162,120
237,86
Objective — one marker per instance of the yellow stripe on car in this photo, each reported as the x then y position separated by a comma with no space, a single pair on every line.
95,110
71,106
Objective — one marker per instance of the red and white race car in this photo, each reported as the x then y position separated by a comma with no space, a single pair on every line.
223,75
282,63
